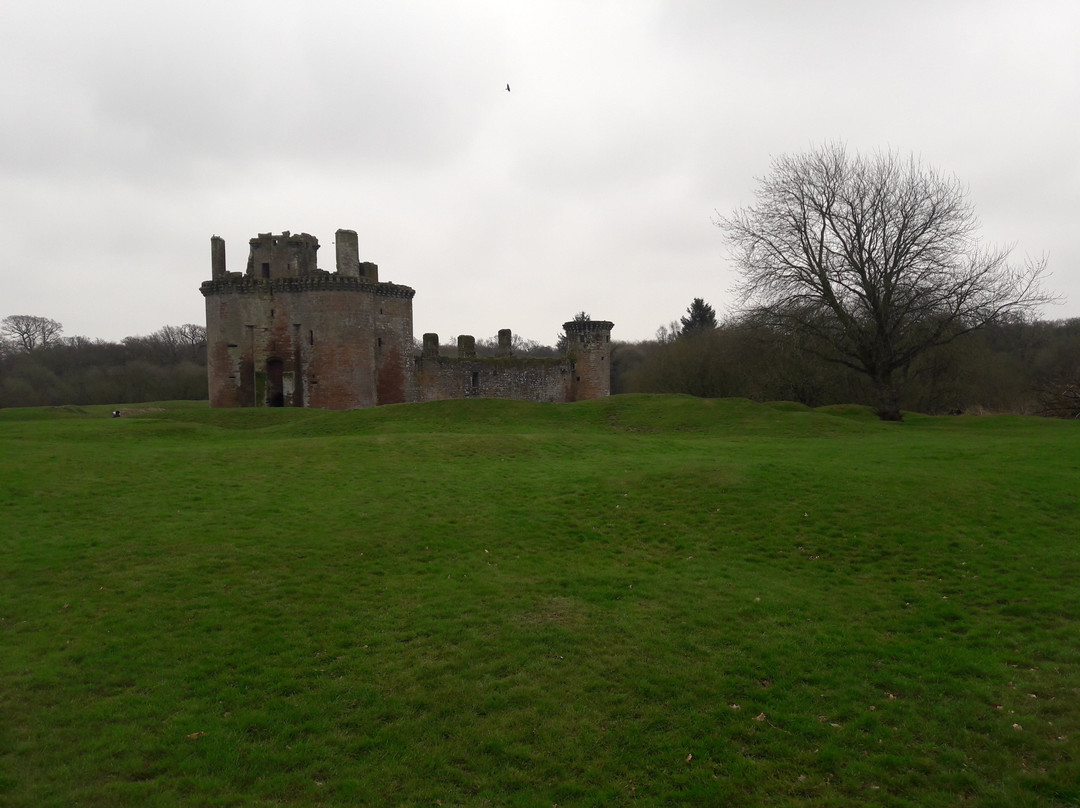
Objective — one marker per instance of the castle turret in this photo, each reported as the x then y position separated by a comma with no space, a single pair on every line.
588,346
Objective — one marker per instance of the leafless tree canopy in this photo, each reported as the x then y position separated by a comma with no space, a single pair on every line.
874,260
27,332
1060,397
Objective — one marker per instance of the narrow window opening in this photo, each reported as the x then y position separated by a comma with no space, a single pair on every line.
380,342
311,337
475,378
266,270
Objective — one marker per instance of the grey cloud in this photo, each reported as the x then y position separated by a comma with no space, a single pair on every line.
133,131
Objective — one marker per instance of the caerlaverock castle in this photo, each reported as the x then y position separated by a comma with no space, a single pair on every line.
285,333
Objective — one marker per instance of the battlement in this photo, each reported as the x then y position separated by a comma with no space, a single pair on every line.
245,284
588,326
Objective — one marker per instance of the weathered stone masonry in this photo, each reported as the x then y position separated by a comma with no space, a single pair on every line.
285,333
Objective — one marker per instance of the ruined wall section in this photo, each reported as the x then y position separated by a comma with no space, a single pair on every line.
523,378
283,256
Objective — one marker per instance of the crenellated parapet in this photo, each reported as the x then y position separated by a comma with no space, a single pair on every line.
243,284
590,327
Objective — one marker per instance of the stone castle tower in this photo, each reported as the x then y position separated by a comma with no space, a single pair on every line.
588,345
285,333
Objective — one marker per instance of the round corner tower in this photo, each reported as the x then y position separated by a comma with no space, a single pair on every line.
288,334
588,346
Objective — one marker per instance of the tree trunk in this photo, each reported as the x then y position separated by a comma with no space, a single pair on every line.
888,399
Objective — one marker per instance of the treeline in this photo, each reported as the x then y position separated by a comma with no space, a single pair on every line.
1016,367
39,366
1012,367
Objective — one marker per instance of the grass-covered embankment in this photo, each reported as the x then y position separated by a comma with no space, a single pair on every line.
638,600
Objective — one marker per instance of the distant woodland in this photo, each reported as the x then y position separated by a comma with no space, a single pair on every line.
1013,367
39,366
1023,367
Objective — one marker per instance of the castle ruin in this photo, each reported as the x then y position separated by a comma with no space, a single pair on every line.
285,333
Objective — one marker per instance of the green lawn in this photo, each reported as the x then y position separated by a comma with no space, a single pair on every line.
641,600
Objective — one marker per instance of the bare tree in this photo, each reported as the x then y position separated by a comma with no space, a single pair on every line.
668,333
192,334
873,261
27,332
1060,397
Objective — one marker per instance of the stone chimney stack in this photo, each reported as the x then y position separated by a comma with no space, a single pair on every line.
506,341
348,253
431,345
217,257
466,346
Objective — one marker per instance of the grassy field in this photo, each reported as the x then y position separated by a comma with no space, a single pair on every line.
642,600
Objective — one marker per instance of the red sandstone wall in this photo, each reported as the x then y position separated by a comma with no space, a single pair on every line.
338,324
220,364
393,347
322,336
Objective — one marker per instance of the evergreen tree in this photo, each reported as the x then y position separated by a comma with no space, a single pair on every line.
699,317
580,317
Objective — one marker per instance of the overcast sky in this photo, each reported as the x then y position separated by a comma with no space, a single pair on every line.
133,131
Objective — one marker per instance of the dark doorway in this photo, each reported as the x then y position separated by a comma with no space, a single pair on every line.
275,391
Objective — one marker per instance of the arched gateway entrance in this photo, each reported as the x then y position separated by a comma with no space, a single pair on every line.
275,378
